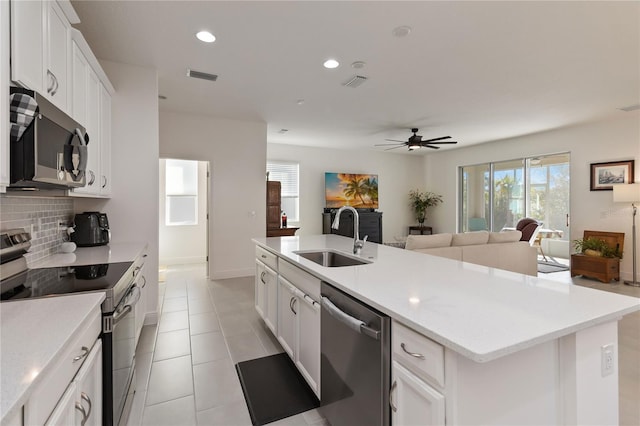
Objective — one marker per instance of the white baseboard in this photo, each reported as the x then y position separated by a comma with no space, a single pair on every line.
151,318
232,273
182,260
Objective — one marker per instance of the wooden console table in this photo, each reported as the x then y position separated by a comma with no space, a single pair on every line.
281,232
422,230
604,269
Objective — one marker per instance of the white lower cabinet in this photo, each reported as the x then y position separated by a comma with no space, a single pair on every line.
267,295
65,411
414,402
73,384
299,330
307,357
81,403
287,322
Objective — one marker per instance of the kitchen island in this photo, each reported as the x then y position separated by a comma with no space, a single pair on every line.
516,348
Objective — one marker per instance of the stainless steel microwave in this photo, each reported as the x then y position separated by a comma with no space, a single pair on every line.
51,152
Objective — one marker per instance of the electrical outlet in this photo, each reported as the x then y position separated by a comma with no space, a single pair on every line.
607,359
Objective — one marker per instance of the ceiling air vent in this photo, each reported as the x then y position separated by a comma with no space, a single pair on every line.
201,75
355,81
631,108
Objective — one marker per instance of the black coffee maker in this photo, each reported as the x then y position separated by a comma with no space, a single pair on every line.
91,229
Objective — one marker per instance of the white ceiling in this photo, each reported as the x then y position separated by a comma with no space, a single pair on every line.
477,71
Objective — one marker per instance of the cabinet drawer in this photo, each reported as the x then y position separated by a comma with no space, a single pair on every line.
427,360
45,397
267,258
306,282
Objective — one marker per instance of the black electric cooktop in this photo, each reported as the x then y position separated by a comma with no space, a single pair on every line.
44,282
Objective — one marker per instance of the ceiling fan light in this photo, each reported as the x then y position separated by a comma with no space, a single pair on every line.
414,147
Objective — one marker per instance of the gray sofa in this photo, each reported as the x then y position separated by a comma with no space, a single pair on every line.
502,250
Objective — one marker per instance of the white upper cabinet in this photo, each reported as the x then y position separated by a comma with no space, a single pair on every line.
105,141
27,44
79,75
4,94
91,107
40,48
57,48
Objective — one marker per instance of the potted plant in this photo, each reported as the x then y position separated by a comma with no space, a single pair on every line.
592,246
420,201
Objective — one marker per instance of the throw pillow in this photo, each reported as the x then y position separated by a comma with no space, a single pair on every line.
504,237
415,242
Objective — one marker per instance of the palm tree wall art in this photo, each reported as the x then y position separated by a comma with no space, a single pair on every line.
349,189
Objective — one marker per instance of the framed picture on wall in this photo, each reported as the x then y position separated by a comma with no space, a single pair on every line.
605,175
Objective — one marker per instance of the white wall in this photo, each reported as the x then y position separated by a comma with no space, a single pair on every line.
615,139
185,243
133,208
236,152
397,175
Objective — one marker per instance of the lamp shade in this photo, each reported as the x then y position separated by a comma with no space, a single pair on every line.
626,193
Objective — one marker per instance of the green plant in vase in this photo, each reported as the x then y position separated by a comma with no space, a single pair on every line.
596,247
420,201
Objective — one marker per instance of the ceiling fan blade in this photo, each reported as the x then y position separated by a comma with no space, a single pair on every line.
441,143
389,144
395,147
394,140
432,147
438,139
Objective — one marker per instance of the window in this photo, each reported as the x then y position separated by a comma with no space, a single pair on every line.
287,173
502,193
181,183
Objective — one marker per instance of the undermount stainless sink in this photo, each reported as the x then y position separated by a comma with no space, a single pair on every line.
331,258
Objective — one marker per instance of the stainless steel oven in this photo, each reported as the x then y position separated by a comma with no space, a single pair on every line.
118,343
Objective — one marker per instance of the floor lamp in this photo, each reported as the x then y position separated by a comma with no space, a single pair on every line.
629,194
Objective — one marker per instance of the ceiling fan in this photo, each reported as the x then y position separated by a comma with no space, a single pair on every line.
415,142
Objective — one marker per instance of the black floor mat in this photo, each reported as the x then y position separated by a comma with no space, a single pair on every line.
274,389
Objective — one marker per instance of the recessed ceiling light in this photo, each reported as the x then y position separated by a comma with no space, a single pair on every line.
401,31
331,63
358,64
206,36
300,101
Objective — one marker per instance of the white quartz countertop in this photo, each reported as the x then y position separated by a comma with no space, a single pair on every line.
110,253
482,313
33,334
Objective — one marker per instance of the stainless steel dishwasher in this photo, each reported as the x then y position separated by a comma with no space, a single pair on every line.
355,362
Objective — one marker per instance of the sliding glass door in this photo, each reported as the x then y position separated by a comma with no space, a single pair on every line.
508,186
495,196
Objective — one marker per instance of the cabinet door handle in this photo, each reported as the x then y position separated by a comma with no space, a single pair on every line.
80,408
413,354
85,397
51,84
93,178
56,86
393,388
263,256
144,281
262,277
85,352
292,303
104,181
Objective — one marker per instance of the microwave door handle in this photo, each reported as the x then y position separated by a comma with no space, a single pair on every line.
82,151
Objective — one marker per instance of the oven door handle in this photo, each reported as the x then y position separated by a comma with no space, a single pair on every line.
121,313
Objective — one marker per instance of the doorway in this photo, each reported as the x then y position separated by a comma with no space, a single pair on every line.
497,195
183,212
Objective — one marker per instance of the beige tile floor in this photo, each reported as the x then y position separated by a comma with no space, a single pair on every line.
185,364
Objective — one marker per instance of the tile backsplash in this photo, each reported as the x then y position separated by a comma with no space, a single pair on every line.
39,216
